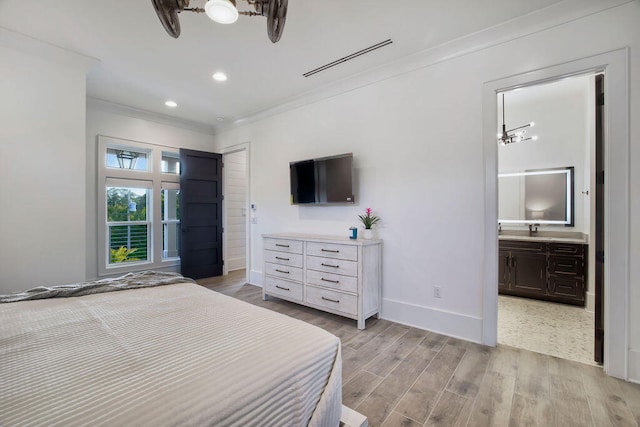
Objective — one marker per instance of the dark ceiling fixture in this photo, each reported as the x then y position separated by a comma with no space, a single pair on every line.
516,134
224,12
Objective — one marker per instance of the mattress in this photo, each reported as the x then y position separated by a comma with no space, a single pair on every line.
177,354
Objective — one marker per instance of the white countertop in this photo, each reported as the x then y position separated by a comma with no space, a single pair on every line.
324,238
541,236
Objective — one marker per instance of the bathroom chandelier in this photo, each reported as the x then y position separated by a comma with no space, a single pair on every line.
223,12
516,134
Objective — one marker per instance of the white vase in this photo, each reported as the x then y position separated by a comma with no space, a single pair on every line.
367,233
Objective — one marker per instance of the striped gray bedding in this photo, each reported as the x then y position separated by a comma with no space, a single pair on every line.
171,355
143,279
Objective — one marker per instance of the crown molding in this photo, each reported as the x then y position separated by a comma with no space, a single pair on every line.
41,49
125,110
541,20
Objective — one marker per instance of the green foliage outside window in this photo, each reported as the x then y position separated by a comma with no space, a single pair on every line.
119,201
123,254
127,205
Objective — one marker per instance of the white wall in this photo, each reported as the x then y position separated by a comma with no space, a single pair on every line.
418,150
235,202
42,166
106,120
560,112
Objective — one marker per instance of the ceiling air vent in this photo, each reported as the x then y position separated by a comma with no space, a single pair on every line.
348,57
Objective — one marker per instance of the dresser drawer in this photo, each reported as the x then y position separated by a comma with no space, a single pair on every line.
566,249
332,250
331,265
283,245
283,288
334,281
565,265
522,246
567,287
283,271
339,301
283,258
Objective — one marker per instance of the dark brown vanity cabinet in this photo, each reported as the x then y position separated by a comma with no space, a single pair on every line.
567,272
524,270
550,271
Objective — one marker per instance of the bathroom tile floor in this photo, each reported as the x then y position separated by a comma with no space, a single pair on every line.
559,330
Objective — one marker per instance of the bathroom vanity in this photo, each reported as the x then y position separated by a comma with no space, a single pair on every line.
551,266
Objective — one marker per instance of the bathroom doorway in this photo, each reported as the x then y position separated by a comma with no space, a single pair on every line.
547,233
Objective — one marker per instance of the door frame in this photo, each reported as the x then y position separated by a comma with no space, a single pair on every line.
615,66
245,146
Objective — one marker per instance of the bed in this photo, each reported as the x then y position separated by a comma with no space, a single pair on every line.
175,354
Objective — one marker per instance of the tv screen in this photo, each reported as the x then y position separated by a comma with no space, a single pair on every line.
322,181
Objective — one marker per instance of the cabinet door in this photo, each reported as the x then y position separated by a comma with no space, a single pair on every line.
503,270
529,273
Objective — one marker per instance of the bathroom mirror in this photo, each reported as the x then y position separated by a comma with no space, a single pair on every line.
537,197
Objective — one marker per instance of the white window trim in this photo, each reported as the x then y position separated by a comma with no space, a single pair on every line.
169,186
157,181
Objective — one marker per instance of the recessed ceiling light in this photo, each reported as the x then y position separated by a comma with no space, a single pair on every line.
172,104
219,76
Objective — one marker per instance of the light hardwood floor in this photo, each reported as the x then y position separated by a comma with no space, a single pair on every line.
402,376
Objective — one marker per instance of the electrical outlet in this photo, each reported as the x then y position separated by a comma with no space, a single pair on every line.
437,292
254,220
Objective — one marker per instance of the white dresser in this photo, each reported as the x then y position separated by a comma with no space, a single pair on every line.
334,274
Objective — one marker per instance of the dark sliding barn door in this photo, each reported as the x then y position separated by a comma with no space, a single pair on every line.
201,214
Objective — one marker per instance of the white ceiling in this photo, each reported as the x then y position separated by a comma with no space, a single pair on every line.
141,66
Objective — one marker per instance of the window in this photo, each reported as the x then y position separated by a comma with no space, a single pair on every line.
139,206
170,220
126,158
128,224
170,163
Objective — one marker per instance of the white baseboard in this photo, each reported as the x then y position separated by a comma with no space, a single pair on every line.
255,278
456,325
634,366
590,305
443,322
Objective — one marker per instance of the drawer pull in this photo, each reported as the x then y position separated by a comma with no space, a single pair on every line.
565,265
566,250
282,259
329,265
282,271
283,288
281,245
330,281
332,300
330,250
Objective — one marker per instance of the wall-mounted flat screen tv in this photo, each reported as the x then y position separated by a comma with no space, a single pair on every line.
322,181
